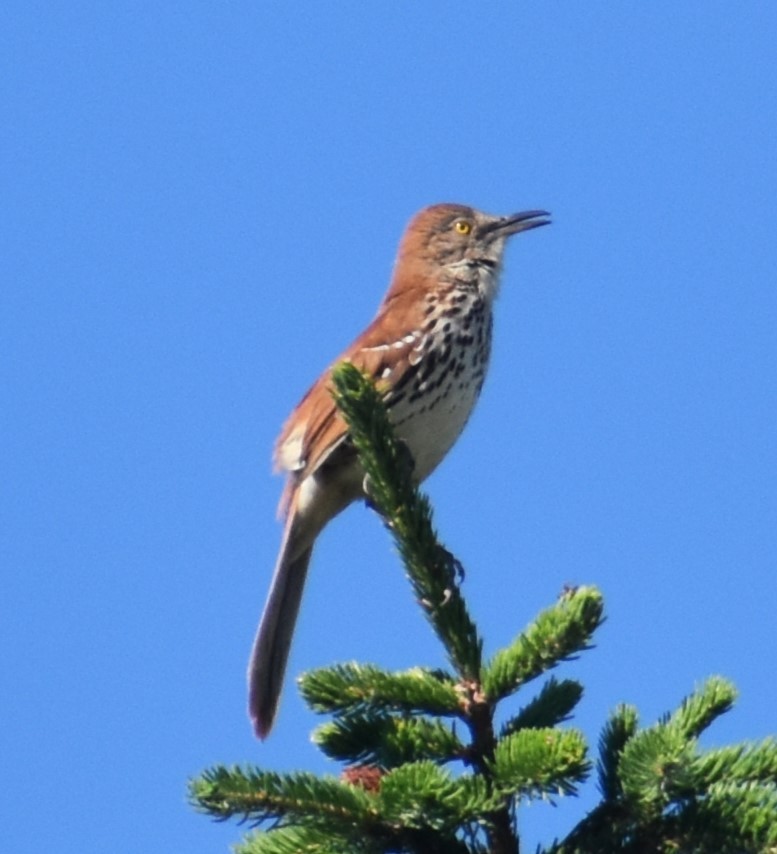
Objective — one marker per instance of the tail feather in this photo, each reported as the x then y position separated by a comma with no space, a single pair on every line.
273,639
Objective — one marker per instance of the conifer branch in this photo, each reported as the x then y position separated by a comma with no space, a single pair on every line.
539,762
741,763
552,706
730,819
293,840
661,793
386,741
259,796
557,634
423,795
358,688
653,767
620,727
697,711
408,515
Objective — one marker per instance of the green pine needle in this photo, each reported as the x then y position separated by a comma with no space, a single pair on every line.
557,634
740,763
260,796
697,711
422,795
732,819
552,706
359,688
654,767
386,741
308,840
620,727
540,762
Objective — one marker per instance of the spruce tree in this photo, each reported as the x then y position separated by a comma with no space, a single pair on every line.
426,770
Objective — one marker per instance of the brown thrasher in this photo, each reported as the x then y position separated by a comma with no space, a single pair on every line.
429,346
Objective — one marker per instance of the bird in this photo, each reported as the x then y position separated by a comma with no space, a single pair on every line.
428,348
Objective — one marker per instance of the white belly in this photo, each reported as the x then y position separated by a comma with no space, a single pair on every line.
434,406
431,431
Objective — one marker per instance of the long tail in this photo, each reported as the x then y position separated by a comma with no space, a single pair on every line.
273,639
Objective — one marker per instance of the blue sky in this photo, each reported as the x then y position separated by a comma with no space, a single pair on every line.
200,207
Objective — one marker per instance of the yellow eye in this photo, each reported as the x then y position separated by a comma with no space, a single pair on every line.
463,226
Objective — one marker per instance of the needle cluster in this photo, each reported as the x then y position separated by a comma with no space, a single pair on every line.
426,769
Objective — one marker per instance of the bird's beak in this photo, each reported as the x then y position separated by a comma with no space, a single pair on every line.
507,225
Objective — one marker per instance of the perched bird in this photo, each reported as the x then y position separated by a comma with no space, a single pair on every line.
429,346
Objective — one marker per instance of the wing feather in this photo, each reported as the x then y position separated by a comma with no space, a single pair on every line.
315,428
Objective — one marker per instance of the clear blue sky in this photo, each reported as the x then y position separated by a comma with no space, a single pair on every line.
200,207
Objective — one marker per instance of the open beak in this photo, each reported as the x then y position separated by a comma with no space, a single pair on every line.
523,221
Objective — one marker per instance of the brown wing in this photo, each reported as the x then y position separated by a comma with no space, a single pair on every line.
315,428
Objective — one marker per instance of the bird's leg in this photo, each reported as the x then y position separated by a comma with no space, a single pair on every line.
451,566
